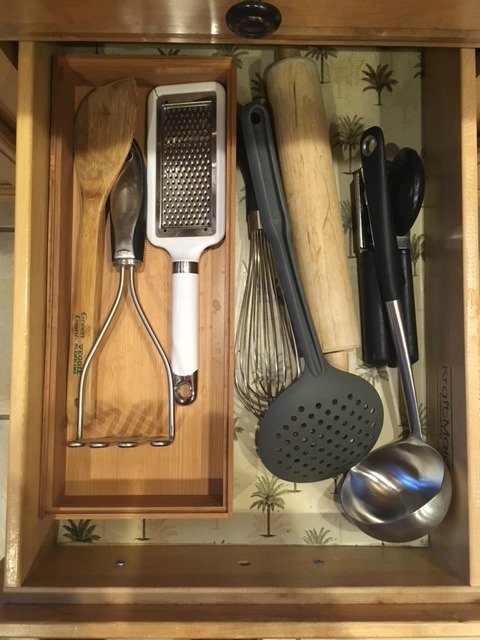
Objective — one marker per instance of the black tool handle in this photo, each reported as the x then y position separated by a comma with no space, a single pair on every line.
377,345
250,198
262,159
408,306
387,256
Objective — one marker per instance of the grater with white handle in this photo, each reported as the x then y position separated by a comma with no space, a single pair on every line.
186,203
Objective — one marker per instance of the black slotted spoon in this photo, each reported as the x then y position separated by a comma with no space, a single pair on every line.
327,420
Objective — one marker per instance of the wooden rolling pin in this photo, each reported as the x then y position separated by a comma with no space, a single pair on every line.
103,134
306,164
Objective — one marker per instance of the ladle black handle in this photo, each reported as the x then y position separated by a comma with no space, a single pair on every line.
265,172
387,257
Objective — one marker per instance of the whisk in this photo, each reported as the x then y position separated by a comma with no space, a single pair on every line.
266,357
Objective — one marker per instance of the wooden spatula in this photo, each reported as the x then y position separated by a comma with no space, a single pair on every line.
103,134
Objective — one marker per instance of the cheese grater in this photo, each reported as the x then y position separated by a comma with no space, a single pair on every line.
186,203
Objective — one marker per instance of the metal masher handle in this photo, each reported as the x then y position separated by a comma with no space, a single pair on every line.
158,441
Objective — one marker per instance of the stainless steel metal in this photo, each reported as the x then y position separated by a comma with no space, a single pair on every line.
358,207
400,491
186,167
185,388
127,217
125,203
185,266
394,314
266,357
156,441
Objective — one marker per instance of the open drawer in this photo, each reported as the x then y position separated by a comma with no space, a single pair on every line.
446,572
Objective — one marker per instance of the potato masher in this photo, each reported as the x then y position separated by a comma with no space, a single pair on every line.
127,219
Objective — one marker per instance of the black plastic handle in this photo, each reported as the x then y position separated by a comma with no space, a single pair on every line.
387,257
377,345
265,172
250,198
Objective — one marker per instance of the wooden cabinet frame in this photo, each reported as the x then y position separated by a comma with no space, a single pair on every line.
204,592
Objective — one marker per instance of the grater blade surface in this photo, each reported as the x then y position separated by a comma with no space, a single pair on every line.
186,167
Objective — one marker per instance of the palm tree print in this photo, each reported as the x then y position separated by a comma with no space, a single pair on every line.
378,80
237,429
322,54
168,52
313,537
231,50
347,136
373,375
259,88
347,224
269,491
417,250
419,67
81,531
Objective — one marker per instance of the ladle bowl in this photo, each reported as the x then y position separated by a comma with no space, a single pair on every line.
399,493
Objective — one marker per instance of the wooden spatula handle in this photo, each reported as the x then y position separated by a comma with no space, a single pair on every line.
305,158
85,306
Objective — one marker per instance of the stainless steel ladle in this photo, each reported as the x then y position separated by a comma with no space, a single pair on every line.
402,490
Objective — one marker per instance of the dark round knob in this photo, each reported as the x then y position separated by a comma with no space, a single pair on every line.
253,19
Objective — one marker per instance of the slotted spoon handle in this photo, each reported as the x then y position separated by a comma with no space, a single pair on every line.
267,183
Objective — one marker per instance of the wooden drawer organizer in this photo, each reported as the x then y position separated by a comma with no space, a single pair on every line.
191,477
250,586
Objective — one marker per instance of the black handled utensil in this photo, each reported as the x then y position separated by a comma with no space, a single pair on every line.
377,345
402,490
406,186
327,420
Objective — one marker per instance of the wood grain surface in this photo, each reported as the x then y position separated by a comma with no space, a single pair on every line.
306,164
103,134
314,22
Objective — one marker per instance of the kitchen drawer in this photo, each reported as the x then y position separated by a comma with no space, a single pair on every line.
241,591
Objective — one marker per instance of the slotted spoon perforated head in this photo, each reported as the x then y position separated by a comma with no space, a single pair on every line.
327,420
320,426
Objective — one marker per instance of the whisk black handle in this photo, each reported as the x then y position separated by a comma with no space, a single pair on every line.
250,198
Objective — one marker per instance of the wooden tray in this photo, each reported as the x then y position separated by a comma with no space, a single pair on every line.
191,477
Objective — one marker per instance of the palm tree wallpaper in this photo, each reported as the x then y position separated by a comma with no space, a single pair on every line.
347,224
379,80
322,54
268,491
360,88
347,136
81,531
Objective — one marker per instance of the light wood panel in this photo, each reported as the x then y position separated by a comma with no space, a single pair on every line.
192,475
25,531
451,294
432,22
238,622
238,574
